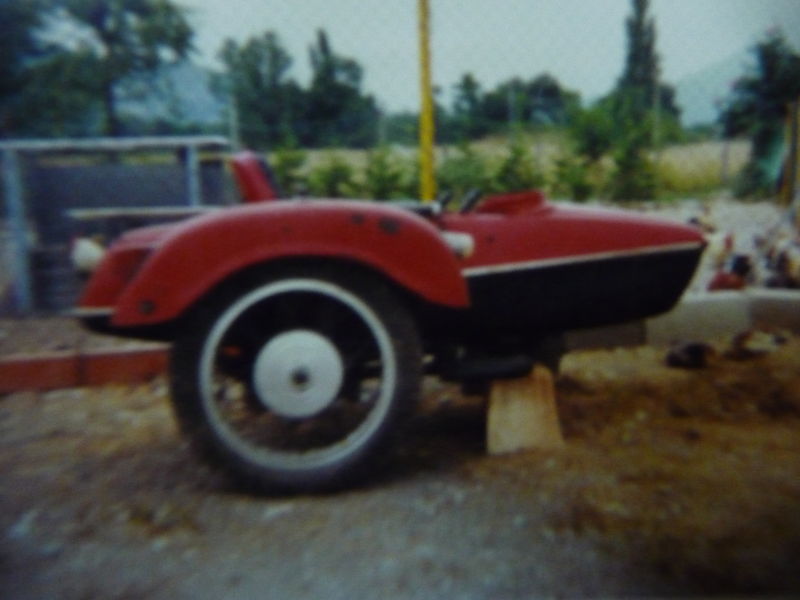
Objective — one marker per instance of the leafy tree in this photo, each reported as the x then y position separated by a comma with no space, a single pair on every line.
540,101
468,117
593,132
401,128
58,98
267,103
336,111
758,106
43,88
19,44
642,107
121,39
639,90
549,103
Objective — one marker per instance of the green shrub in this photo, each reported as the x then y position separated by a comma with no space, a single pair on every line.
517,171
571,178
383,175
334,178
462,172
287,164
634,177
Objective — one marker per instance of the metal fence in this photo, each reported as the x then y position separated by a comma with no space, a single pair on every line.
44,181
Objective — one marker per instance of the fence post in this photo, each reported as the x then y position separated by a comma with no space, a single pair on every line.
426,123
193,176
21,274
793,163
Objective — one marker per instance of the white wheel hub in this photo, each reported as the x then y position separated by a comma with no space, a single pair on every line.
298,374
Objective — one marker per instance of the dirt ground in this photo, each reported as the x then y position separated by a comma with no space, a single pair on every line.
672,482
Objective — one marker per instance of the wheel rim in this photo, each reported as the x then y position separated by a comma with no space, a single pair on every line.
298,374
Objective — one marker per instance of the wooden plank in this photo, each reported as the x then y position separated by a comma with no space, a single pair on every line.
38,372
522,414
122,366
69,369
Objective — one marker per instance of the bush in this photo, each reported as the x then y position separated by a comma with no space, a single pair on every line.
462,172
571,178
332,179
383,175
287,164
517,172
634,177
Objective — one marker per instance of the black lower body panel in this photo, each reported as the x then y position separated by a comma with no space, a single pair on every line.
576,294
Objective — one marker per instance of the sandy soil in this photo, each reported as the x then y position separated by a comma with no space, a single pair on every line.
672,482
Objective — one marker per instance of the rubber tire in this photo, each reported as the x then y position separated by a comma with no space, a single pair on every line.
193,421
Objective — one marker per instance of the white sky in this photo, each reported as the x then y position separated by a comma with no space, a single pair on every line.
581,42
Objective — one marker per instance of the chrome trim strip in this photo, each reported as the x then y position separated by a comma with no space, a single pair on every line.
556,262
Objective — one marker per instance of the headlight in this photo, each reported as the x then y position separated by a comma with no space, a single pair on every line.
462,244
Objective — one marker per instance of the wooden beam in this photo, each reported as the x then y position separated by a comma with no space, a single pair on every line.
522,414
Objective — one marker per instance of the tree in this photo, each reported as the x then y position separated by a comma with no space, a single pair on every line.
19,45
639,90
540,101
336,111
642,108
468,118
267,102
593,131
122,39
758,106
549,103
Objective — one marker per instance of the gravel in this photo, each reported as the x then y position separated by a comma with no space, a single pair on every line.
672,482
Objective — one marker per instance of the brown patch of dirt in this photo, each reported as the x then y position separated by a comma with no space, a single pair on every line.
672,481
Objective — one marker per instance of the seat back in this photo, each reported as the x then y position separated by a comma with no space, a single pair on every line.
256,181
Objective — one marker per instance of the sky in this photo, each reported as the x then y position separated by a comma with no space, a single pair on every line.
580,42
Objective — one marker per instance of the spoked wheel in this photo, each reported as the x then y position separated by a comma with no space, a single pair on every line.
297,383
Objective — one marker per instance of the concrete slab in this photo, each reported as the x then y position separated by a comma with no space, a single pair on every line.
706,316
775,308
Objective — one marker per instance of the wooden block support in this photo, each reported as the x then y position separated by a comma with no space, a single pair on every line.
523,415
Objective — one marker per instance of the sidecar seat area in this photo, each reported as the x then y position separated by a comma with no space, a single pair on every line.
255,178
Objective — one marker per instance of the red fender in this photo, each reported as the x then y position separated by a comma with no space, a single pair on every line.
198,254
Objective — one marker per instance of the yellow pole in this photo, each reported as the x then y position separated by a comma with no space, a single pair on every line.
426,125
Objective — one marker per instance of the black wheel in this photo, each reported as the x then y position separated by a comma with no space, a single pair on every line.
297,383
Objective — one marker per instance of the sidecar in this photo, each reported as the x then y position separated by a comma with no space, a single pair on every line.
301,328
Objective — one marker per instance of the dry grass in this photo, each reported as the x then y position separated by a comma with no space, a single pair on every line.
700,167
